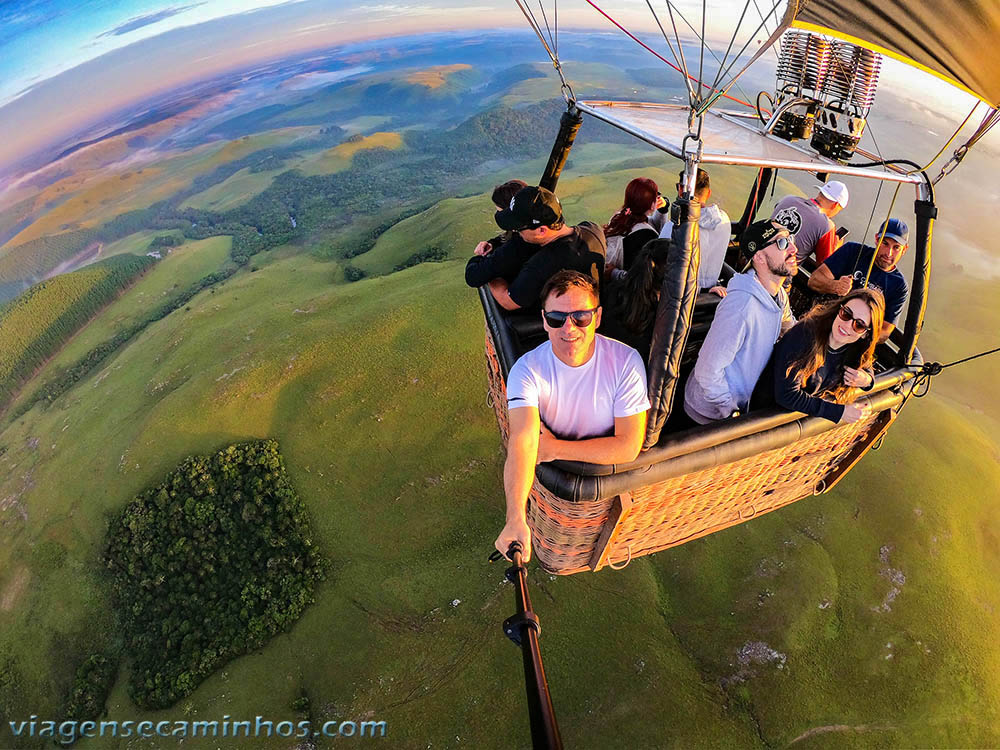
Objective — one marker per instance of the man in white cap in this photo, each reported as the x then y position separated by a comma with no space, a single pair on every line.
810,220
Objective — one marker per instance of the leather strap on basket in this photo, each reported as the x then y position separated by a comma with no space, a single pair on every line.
673,315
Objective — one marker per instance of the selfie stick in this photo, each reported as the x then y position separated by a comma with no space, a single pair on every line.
523,628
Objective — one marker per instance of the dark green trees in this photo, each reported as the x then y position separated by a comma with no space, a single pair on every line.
209,565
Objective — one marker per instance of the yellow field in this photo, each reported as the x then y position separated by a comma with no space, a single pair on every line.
100,194
435,77
339,157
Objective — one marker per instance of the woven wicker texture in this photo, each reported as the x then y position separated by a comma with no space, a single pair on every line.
497,394
565,533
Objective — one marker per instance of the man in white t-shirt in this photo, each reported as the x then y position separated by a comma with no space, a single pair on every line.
577,397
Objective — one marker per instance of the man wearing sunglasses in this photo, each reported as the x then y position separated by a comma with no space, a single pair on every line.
577,397
536,215
747,322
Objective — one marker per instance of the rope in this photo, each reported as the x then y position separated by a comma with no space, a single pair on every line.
666,38
922,382
656,54
712,100
694,98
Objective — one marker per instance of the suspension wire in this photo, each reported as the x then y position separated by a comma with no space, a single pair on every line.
696,98
653,52
666,38
534,27
701,54
878,194
953,135
913,170
732,41
546,19
871,217
715,98
922,382
687,23
568,94
761,14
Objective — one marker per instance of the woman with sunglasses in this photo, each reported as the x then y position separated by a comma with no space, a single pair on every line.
630,228
821,363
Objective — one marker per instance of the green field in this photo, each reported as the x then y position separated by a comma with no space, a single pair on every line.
37,323
179,269
137,244
234,191
284,353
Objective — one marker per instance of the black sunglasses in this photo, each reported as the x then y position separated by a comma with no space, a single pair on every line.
581,318
782,242
847,316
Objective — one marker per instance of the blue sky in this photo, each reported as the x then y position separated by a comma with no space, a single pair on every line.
41,38
64,63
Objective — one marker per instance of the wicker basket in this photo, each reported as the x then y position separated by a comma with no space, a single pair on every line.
570,536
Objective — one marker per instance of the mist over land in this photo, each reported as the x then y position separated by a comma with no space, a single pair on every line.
312,216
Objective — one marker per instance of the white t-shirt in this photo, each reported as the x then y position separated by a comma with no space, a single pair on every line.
580,402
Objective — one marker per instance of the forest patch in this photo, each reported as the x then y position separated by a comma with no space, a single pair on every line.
209,565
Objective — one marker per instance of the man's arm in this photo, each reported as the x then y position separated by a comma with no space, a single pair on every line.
518,475
822,281
827,244
484,266
788,320
724,340
501,293
886,332
619,448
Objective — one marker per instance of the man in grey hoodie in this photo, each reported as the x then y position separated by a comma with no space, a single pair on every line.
747,322
715,230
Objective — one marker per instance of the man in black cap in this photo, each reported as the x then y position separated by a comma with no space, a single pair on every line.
749,319
536,215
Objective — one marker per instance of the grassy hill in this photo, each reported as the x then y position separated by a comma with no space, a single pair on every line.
339,157
592,189
753,636
36,324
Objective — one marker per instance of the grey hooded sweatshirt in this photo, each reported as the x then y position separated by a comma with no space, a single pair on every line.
715,230
738,345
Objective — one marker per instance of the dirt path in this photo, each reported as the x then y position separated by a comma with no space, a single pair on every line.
14,590
840,728
88,254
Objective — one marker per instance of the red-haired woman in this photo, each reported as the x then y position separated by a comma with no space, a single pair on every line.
819,365
631,225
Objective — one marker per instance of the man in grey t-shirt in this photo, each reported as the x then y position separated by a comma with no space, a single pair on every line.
810,220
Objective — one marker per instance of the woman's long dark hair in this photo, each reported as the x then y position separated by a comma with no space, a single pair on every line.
503,194
639,196
633,300
819,322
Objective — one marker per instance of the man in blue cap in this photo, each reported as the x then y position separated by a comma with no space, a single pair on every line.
846,270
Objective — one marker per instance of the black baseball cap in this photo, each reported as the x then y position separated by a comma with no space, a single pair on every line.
530,208
758,235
